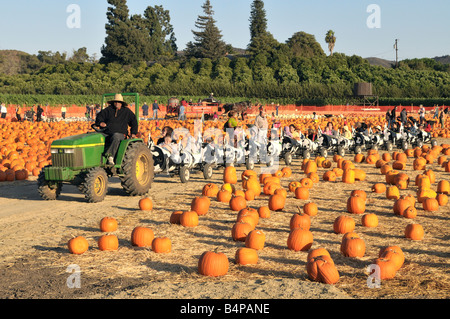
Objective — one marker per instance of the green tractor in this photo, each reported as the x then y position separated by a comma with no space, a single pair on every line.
79,160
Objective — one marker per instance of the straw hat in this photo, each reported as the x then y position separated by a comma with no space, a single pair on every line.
118,98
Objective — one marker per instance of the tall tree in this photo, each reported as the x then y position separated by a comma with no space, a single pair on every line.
330,39
116,47
208,39
167,33
258,20
261,41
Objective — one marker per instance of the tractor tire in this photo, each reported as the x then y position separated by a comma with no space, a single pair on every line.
138,169
94,185
48,190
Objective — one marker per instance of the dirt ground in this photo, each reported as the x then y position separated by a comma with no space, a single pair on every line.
35,261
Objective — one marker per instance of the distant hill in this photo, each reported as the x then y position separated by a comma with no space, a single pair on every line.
381,62
388,64
443,59
11,61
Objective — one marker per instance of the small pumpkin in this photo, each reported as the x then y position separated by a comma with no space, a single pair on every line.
430,205
414,232
353,247
246,256
108,224
145,204
189,219
237,203
78,245
369,220
302,193
162,245
108,242
310,209
300,220
255,239
379,188
264,212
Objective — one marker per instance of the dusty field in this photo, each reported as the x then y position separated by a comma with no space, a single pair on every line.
34,235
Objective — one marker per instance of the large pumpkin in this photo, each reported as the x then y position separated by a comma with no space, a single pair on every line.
300,239
213,264
353,247
200,205
142,236
322,269
229,175
356,205
276,202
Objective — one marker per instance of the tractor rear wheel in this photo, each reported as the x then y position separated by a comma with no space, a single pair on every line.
48,190
138,170
94,185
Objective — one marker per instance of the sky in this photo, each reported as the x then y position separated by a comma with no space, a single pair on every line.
364,28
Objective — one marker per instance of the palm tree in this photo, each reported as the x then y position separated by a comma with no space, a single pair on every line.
331,40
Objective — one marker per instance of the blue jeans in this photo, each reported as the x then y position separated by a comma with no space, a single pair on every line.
181,116
155,114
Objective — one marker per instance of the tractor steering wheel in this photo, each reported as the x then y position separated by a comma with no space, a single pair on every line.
97,128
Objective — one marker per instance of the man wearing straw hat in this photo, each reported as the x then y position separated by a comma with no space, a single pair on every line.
115,119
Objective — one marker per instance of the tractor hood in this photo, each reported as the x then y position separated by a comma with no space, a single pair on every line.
81,140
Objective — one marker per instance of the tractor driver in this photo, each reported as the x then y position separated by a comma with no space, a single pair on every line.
115,119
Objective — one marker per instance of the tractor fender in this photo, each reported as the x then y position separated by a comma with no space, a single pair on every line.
123,147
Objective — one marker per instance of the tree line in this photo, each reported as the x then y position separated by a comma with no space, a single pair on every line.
140,55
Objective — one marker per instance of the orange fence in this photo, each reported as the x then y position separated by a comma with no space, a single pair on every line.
196,110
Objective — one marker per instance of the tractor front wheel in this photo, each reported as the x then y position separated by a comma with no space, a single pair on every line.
94,185
48,190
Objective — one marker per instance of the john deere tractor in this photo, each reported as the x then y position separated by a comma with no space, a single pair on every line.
79,160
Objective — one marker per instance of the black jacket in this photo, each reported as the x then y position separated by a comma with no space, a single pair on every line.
117,123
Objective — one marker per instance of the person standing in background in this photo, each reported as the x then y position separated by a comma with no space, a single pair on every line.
39,112
155,109
63,112
145,110
421,114
19,113
181,115
3,111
